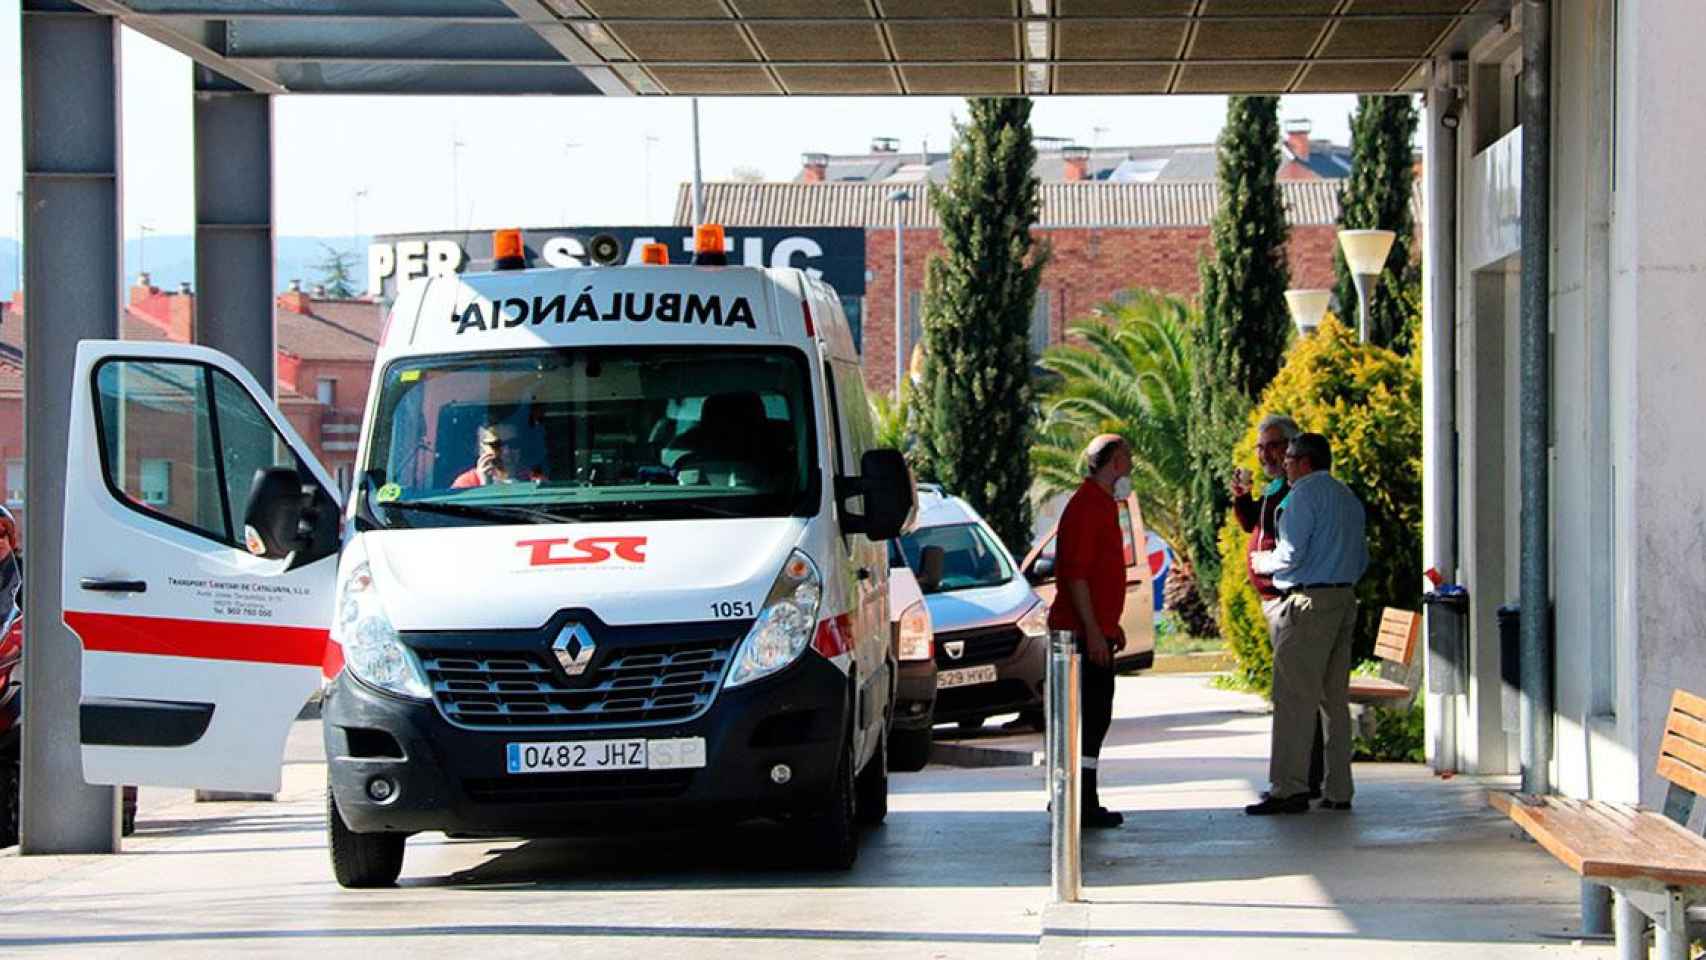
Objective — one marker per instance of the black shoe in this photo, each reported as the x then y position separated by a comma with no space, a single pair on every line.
1314,793
1341,805
1100,818
1296,803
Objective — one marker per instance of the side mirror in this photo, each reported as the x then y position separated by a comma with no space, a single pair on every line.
1042,571
286,517
891,499
930,569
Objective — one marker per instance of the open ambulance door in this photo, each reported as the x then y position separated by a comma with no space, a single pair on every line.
197,652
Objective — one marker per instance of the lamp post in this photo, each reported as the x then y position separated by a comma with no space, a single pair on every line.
898,198
1365,253
1307,307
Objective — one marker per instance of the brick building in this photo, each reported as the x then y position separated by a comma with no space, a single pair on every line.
324,364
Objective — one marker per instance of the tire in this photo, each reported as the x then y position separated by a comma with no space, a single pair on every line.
127,822
1035,719
361,859
970,724
10,782
871,789
830,838
909,750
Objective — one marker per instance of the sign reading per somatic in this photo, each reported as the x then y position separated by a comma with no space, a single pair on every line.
834,254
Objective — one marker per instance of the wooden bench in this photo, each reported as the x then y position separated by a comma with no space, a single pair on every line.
1654,865
1395,644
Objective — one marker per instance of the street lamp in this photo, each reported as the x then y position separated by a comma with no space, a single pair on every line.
898,198
1365,253
1307,307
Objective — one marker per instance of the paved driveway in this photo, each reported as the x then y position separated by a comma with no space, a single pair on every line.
959,870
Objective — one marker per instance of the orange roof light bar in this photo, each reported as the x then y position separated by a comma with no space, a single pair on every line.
656,254
508,252
708,246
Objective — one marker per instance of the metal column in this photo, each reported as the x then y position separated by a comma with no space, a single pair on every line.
70,87
1535,346
234,230
1064,713
1439,365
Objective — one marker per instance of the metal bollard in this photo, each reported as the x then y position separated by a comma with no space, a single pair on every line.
1064,749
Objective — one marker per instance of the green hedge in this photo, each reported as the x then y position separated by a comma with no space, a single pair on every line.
1367,401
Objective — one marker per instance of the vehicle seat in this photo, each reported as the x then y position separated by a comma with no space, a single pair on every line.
730,445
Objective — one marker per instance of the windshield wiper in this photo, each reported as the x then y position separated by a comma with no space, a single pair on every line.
482,511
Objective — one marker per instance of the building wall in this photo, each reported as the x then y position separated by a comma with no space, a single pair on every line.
1628,510
1658,271
1087,266
12,447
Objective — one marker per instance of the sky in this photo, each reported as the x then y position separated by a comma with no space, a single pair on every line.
363,165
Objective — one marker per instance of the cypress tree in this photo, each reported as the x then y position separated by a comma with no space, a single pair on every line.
1377,196
1241,338
975,404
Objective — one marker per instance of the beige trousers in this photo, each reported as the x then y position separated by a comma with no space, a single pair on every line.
1312,632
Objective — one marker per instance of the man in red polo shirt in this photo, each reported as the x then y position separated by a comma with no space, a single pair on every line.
1089,568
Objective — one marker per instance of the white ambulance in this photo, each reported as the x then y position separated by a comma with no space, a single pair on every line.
614,556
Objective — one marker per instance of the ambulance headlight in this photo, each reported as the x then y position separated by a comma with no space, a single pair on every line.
372,650
785,625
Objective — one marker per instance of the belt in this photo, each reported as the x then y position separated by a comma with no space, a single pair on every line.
1287,592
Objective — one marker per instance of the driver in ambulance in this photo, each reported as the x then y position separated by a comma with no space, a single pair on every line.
498,458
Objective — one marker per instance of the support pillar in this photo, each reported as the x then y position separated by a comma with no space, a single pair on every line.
72,276
1439,379
234,240
234,226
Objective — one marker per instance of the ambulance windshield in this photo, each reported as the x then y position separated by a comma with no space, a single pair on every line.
621,433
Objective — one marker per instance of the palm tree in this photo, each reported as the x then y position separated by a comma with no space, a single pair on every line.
1126,369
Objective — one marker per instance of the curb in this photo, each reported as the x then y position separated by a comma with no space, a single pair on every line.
960,755
1065,928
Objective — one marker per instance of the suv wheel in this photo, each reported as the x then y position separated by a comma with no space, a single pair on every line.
10,781
830,838
971,724
909,750
871,804
361,859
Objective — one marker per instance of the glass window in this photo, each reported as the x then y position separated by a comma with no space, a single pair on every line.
1040,323
970,557
182,441
156,482
1128,541
152,411
326,390
14,482
641,433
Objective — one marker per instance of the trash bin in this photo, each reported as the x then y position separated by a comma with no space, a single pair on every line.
1448,633
1510,667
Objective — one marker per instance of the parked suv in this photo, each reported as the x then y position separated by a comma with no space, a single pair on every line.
915,654
991,628
1137,621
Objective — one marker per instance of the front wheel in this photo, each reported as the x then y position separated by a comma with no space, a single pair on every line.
361,859
871,803
830,838
909,750
972,724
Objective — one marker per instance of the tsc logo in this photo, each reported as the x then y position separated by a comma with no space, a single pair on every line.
562,551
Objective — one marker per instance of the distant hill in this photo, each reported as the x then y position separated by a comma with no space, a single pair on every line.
171,260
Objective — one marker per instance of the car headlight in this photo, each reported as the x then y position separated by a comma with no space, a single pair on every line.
784,626
915,634
1035,621
372,650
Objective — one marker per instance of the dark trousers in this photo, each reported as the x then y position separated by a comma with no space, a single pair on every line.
1096,696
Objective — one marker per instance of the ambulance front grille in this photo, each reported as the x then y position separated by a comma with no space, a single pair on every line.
654,683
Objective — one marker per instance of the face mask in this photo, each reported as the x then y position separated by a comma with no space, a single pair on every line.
1122,488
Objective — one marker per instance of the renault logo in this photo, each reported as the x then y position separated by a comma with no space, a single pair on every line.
574,649
956,648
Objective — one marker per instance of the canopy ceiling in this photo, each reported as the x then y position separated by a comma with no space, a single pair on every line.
807,47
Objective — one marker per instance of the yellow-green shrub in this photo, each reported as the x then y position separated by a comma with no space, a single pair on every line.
1367,401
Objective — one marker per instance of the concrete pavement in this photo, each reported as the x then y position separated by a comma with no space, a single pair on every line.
1421,868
